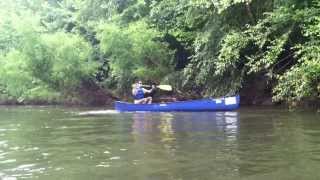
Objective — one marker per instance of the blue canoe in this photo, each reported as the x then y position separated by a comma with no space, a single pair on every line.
209,104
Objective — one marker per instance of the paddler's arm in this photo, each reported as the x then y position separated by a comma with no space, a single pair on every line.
150,90
134,91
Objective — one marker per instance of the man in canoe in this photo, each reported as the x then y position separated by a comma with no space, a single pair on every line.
139,92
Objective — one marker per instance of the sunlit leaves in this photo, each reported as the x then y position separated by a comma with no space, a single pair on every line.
300,82
134,52
229,53
32,58
303,80
229,41
70,58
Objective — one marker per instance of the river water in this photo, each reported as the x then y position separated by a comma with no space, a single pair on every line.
68,143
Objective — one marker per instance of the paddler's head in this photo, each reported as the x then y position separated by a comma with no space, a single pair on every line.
139,84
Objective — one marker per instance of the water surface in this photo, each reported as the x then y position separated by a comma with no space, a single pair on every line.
67,143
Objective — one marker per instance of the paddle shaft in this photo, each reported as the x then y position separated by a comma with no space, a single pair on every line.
162,87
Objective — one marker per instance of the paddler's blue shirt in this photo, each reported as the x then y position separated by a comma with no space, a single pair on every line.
139,94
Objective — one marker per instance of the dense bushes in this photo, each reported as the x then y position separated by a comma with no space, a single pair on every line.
42,67
282,46
134,53
49,50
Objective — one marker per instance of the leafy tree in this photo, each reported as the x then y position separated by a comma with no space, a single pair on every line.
273,46
134,53
206,47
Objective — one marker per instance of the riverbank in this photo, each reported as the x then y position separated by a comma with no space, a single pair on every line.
99,99
92,96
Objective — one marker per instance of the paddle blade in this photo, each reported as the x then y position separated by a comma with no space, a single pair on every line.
165,87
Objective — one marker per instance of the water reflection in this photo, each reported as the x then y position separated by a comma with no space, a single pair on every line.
192,143
170,126
275,142
249,144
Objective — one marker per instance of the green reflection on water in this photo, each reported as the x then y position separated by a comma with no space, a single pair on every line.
53,143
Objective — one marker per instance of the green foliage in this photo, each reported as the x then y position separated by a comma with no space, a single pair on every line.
15,80
9,39
67,62
230,52
300,82
17,83
36,65
50,48
134,52
303,80
134,12
269,48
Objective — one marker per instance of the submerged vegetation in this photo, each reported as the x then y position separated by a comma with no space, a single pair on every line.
57,51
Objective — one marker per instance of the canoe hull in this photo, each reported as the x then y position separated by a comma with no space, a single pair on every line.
218,104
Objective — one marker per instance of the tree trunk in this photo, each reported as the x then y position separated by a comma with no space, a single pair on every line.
250,14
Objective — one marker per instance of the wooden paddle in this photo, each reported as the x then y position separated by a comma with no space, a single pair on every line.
165,87
162,87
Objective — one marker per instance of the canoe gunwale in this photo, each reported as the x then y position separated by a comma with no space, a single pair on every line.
207,104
